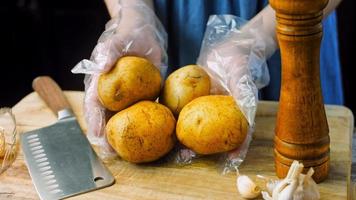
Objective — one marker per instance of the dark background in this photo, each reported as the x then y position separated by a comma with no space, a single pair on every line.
42,37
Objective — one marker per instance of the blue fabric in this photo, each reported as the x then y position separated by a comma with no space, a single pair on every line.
331,79
185,22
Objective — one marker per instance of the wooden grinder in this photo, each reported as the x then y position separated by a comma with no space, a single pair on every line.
302,130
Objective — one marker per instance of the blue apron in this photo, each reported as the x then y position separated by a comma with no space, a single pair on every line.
185,22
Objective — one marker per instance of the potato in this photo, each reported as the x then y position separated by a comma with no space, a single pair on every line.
211,124
143,132
184,85
132,79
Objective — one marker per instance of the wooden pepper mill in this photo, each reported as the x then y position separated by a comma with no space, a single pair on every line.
302,130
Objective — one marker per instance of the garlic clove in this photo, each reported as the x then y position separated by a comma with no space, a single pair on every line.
288,191
280,187
271,184
310,172
287,187
247,188
266,196
310,188
295,170
299,193
311,193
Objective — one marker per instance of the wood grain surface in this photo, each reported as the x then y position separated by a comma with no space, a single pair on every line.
201,180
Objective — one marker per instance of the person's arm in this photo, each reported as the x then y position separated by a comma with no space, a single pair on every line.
113,5
269,23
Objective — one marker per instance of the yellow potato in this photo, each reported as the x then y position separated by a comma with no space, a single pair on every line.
143,132
211,124
132,79
184,85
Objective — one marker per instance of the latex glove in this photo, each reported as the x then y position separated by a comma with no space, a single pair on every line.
135,30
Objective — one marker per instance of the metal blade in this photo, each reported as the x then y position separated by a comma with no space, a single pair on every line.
61,161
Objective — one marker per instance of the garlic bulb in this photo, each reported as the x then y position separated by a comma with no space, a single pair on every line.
296,186
246,187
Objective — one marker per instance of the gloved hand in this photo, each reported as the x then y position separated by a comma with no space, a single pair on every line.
235,59
134,30
234,55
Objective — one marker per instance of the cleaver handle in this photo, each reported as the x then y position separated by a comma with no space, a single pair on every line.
51,93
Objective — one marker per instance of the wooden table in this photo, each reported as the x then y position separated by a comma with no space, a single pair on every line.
201,180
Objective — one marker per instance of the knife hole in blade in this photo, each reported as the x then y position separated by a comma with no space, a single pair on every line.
34,144
36,148
55,191
98,178
32,136
48,177
37,152
33,140
40,155
41,160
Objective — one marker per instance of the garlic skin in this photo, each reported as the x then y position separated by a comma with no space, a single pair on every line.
247,188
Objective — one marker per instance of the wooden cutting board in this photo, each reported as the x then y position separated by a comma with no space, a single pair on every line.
201,180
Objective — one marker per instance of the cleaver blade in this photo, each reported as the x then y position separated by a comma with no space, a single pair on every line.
59,157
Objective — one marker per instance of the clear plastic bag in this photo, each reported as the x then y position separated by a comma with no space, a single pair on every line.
136,31
8,139
235,60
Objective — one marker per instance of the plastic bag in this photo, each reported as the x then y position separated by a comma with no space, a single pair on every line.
135,30
9,141
236,63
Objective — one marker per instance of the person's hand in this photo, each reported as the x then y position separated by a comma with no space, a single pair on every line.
235,59
226,63
228,66
134,31
234,55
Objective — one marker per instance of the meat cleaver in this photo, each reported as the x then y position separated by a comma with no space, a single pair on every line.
59,157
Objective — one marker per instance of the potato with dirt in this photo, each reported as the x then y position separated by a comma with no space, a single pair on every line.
131,79
184,85
143,132
211,124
